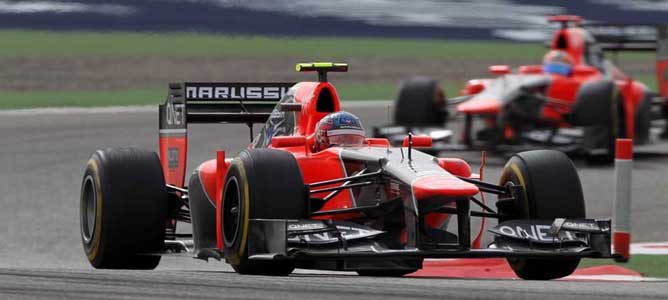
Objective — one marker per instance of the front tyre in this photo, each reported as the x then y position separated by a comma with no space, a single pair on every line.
551,190
260,184
123,209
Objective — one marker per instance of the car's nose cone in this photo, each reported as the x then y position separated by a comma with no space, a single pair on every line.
480,105
442,186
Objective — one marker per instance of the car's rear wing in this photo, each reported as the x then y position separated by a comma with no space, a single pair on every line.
636,37
205,102
627,37
219,102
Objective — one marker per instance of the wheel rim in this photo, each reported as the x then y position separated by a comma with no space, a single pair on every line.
231,211
88,209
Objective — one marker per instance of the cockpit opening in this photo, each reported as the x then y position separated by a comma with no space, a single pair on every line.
325,101
562,42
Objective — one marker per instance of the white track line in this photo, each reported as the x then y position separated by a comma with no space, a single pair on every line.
143,108
610,278
654,248
78,110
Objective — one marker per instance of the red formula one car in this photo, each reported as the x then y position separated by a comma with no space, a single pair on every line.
312,192
577,101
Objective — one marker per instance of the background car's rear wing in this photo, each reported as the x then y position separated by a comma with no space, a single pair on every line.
199,102
636,37
627,37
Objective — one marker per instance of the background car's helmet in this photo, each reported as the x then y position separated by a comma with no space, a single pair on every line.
338,129
557,62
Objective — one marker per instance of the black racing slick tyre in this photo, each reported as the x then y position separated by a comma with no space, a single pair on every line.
551,189
599,108
260,184
600,141
123,209
421,102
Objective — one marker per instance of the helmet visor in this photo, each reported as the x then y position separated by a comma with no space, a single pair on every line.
557,68
346,140
346,137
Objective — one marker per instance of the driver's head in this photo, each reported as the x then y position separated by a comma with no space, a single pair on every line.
558,62
338,129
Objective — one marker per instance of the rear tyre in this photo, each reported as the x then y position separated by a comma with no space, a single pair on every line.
599,141
551,190
616,130
123,209
421,102
261,183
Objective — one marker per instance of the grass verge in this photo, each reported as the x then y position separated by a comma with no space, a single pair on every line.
647,265
22,43
74,43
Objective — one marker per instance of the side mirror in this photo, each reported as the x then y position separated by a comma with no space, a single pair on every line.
473,87
419,141
455,166
377,142
500,69
288,141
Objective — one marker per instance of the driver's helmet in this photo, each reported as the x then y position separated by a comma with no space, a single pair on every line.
558,62
338,129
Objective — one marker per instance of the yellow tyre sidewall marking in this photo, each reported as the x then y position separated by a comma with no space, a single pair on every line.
95,243
244,226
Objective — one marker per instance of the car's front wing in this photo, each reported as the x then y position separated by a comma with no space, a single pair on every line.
311,239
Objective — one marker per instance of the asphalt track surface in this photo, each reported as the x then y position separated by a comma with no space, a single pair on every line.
42,158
